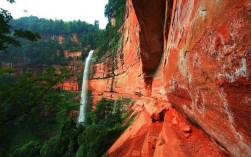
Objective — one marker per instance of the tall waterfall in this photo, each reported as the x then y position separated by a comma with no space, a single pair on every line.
83,101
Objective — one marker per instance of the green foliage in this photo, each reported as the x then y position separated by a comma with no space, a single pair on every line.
48,50
30,106
5,30
6,71
108,39
102,127
32,109
113,7
47,28
30,149
34,54
29,95
64,143
8,35
52,27
27,34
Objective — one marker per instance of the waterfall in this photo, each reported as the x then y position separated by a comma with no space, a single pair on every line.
83,101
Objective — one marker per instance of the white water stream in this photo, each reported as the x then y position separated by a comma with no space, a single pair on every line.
83,100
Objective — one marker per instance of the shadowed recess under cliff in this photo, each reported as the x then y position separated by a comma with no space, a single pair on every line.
151,17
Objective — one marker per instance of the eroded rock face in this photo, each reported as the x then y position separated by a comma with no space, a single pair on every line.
207,69
159,115
175,136
204,72
151,18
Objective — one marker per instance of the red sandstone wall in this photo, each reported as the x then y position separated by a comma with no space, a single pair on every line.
128,72
207,68
204,73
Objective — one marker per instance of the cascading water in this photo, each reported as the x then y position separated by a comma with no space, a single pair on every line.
83,101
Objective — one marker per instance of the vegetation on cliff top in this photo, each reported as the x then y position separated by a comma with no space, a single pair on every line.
9,35
110,39
57,36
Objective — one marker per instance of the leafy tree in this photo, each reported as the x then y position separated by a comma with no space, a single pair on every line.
102,127
30,149
30,106
28,91
47,51
32,109
108,40
8,35
64,144
113,7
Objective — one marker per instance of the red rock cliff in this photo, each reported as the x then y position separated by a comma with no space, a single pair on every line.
190,59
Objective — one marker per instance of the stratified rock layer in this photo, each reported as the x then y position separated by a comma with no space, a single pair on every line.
204,72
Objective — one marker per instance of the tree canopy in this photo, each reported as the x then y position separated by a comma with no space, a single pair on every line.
57,36
8,35
33,111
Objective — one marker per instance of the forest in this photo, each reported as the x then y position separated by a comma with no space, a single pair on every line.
34,113
49,50
76,36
